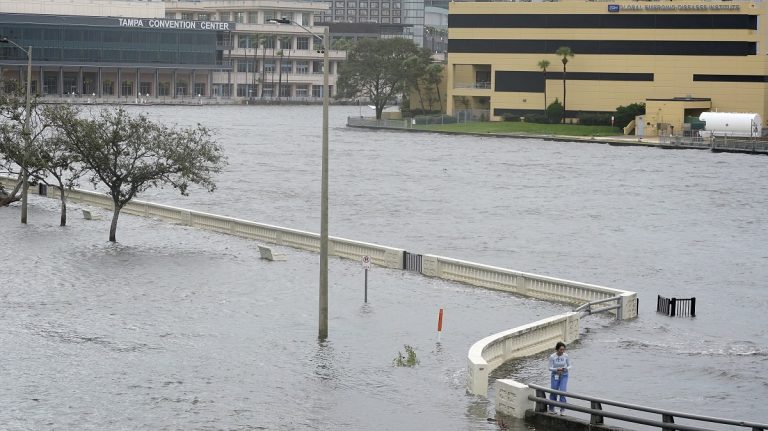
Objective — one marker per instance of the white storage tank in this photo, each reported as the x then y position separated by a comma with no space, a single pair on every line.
731,124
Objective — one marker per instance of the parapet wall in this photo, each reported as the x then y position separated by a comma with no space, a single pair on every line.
486,354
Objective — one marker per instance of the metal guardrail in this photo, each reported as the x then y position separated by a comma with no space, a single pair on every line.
598,415
717,143
587,308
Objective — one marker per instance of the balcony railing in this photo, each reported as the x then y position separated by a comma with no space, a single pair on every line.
480,84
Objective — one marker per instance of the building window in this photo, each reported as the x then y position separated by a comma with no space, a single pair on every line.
375,4
287,67
351,4
253,17
270,42
302,67
126,89
302,42
107,87
363,12
204,17
385,5
164,89
395,20
224,16
396,12
266,90
374,12
245,90
364,4
317,66
286,42
396,5
145,87
269,66
240,17
338,12
385,20
199,88
339,4
285,90
317,91
246,66
385,12
189,16
351,12
302,90
268,15
170,15
305,18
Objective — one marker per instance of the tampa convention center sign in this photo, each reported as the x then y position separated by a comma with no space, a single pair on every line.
175,24
673,7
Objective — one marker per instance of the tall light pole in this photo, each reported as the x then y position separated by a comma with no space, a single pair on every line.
323,307
27,131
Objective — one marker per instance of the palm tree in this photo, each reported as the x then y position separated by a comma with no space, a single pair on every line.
543,65
564,52
261,41
285,43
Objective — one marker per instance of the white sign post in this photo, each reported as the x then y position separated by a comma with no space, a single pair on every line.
366,266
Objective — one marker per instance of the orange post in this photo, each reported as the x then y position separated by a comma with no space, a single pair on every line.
439,324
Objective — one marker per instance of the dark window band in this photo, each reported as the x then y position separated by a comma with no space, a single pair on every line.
533,82
730,78
523,112
627,21
606,47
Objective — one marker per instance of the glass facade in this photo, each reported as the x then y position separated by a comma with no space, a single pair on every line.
112,42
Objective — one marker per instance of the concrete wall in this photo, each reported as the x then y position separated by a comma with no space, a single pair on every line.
486,354
492,351
383,256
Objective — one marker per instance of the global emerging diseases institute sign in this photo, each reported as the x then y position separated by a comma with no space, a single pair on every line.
175,24
673,7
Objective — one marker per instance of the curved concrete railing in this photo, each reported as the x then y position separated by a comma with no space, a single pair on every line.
485,355
383,256
489,353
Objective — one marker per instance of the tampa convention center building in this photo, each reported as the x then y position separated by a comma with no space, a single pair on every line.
168,50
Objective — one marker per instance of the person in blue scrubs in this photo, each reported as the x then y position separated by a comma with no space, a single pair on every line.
559,366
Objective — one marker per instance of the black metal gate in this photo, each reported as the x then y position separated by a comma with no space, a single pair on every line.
676,306
411,261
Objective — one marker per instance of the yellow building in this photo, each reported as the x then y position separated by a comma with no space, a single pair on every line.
679,57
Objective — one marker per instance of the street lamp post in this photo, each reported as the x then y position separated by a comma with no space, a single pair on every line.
323,306
27,132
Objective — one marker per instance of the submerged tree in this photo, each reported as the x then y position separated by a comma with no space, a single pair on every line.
130,154
375,68
20,131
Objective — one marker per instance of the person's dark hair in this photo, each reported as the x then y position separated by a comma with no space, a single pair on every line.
559,345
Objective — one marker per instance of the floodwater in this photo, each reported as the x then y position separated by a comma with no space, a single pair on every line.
175,328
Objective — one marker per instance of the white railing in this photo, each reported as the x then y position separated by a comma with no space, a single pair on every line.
383,256
523,283
485,355
489,353
492,351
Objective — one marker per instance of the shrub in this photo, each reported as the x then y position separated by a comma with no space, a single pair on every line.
625,114
407,360
555,111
